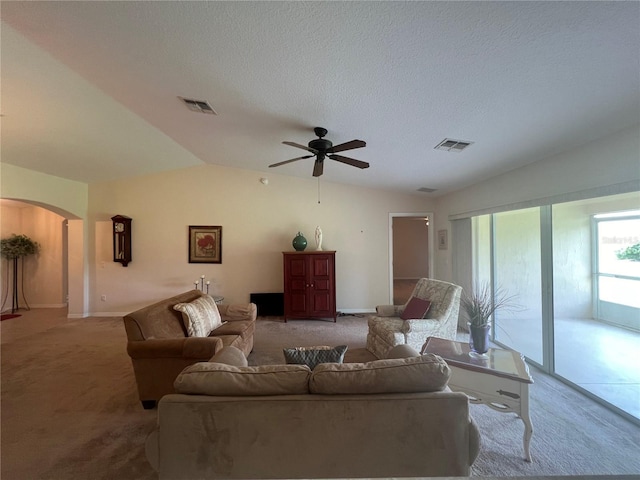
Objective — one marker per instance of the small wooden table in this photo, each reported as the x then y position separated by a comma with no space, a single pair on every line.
499,380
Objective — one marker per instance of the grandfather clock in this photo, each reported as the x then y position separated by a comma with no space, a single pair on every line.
121,239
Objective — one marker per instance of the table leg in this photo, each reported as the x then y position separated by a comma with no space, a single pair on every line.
524,415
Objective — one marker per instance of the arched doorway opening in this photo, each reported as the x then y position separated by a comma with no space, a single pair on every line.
56,277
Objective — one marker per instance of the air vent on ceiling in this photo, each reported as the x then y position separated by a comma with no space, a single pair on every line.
199,106
427,190
450,145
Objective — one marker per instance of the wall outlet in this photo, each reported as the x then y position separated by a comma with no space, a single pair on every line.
103,298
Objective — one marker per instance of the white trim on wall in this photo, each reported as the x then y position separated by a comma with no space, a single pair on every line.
604,191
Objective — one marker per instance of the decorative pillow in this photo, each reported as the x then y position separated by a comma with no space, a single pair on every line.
425,373
312,356
416,308
206,378
200,316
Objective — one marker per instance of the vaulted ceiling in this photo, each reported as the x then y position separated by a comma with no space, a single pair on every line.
90,89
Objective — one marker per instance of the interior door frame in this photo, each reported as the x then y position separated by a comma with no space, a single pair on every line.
430,244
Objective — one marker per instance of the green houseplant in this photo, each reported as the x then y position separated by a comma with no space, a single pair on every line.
480,305
14,248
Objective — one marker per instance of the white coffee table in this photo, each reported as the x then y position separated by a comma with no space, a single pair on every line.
500,380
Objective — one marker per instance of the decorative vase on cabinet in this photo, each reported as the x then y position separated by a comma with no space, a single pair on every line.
309,285
299,242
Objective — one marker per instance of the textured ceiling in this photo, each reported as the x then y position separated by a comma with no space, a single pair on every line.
89,89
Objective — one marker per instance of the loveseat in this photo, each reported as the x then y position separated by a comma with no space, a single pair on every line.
387,418
160,347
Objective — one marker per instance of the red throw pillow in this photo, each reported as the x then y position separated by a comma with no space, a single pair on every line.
416,308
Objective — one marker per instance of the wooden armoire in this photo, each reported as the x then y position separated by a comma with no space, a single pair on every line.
309,284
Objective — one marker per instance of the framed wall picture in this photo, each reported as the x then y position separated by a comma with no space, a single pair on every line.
205,244
442,240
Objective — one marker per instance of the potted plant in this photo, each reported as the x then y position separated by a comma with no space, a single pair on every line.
480,305
14,248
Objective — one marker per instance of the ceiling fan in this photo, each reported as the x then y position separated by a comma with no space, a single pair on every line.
321,149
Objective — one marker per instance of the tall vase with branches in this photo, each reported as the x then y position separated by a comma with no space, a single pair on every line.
14,248
480,305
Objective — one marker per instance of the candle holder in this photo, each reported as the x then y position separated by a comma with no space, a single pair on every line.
202,284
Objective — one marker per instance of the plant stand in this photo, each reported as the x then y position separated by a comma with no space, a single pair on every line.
15,297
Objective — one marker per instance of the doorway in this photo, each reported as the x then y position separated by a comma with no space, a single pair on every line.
410,253
59,279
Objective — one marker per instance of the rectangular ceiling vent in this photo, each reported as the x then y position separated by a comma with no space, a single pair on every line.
199,106
450,145
427,190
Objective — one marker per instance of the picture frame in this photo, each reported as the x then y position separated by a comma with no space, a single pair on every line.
443,243
205,244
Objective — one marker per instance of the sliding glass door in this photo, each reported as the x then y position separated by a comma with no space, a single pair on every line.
575,270
597,299
516,237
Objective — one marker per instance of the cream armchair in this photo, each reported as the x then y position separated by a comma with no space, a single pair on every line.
387,329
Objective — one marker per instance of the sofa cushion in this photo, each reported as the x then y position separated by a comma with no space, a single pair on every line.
416,308
207,378
312,356
424,373
200,316
244,328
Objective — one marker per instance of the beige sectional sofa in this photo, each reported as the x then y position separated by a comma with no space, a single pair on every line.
387,418
160,348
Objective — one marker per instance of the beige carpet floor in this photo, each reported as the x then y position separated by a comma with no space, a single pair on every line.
69,408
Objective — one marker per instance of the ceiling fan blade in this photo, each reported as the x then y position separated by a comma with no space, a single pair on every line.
304,147
289,161
317,168
347,146
349,161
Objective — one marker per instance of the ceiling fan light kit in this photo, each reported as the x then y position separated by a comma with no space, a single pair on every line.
322,148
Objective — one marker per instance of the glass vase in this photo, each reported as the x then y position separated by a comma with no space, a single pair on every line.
479,339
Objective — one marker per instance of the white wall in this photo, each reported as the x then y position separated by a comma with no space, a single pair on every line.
65,197
258,223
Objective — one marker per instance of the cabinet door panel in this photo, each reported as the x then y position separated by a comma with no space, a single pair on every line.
298,304
321,284
321,304
321,266
298,267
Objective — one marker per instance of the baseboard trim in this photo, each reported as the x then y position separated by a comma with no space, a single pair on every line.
48,305
357,310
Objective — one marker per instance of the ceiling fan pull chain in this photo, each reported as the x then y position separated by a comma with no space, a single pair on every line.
318,190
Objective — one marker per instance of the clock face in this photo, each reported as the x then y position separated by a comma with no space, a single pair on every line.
119,227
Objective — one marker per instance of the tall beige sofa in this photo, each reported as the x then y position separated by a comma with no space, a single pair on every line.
285,421
160,348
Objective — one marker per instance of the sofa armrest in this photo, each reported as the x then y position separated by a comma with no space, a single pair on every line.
230,356
186,347
420,325
201,347
238,312
388,310
475,441
151,449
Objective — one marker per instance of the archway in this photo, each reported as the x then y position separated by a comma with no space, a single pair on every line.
62,274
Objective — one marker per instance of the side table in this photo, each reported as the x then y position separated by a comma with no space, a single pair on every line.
500,380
